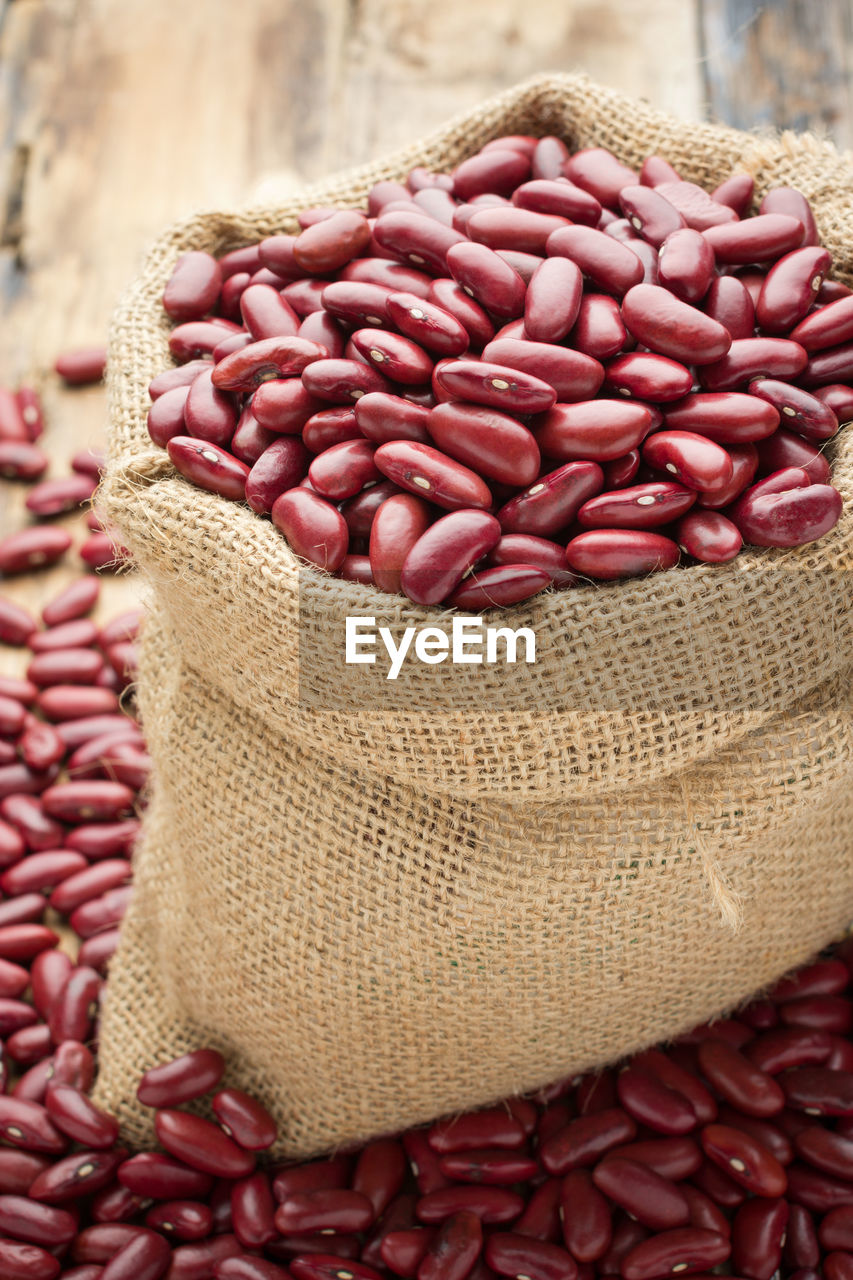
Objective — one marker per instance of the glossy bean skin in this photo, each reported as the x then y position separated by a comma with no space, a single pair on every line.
182,1079
583,1141
644,506
487,278
730,303
76,1116
21,460
494,385
343,470
825,1151
739,1081
201,1145
585,1216
556,196
193,287
416,240
592,430
430,474
686,264
276,357
694,204
599,331
331,243
609,554
324,1211
438,561
599,171
315,530
790,289
508,227
744,460
709,537
672,327
744,1159
650,214
648,377
208,466
431,326
736,192
789,518
384,418
758,1234
499,586
749,358
726,417
612,267
513,1254
830,326
685,1249
397,357
32,548
330,427
695,461
819,1090
342,381
553,300
396,527
571,374
801,412
493,444
454,1249
653,1103
280,467
553,501
81,366
655,1201
764,238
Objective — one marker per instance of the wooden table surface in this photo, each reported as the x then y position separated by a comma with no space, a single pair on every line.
119,116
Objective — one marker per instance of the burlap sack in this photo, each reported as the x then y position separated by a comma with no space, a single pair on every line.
389,900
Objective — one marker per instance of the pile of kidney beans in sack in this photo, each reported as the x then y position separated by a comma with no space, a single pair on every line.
542,366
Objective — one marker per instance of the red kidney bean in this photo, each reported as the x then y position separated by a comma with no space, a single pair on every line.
558,197
331,243
490,1204
671,327
360,304
694,460
241,1117
452,298
454,1250
266,314
597,430
764,238
599,331
790,289
82,365
649,377
649,213
744,1159
277,357
792,203
97,951
768,1134
803,413
27,1262
16,625
76,1176
425,471
738,1080
600,172
653,1103
70,1015
392,275
585,1140
487,278
14,979
838,1265
12,845
160,1177
736,192
87,801
321,1175
818,1090
99,1243
235,341
201,1144
656,1201
17,779
12,717
27,1125
15,1015
280,467
330,427
253,1211
609,554
833,365
324,1211
197,338
198,1261
397,357
18,1170
49,973
801,1243
553,300
73,1064
703,1212
709,537
643,506
105,840
432,327
836,1229
441,557
508,227
744,460
729,302
342,381
193,288
100,551
403,1251
626,1234
72,603
396,527
209,414
30,411
840,400
540,1219
489,1165
414,239
826,1151
385,418
27,814
176,378
612,267
65,667
818,1012
686,1249
494,444
495,385
21,460
528,549
209,466
830,326
515,1254
750,358
311,1267
282,406
686,264
77,1117
180,1219
727,417
13,429
146,1257
343,470
698,209
758,1234
788,517
585,1217
32,548
315,530
818,1192
499,171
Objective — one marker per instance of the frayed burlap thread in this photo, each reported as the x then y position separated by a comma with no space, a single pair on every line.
386,901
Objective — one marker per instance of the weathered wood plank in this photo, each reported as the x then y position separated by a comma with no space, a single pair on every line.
779,62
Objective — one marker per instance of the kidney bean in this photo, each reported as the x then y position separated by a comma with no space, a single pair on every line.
600,172
70,1015
13,429
21,1261
21,460
14,980
592,430
27,815
498,170
175,379
649,377
651,1102
73,1064
738,1080
750,358
803,413
830,366
360,304
836,1229
403,1251
840,400
585,1140
250,439
764,238
325,1211
69,702
609,554
791,203
444,553
391,275
694,460
828,327
515,1254
315,530
818,1192
32,1085
76,1176
146,1257
343,470
612,267
495,385
787,518
829,1013
801,1244
276,357
425,471
572,375
454,1249
16,628
325,330
253,1210
18,1170
685,1249
649,213
626,1234
197,338
384,418
433,327
160,1177
709,537
825,1151
209,414
397,357
703,1212
671,327
12,845
193,288
819,1090
414,239
499,586
729,302
67,666
736,192
81,365
27,1125
241,1117
396,527
790,289
553,300
87,801
331,1174
181,1220
209,467
32,548
726,417
528,549
487,278
758,1234
490,1204
686,264
744,1159
199,1260
49,973
72,603
342,381
510,228
12,717
644,506
656,1201
699,210
330,427
497,446
282,406
540,1219
558,197
201,1144
585,1217
490,1165
744,460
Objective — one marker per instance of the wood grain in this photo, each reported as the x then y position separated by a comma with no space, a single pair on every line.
782,63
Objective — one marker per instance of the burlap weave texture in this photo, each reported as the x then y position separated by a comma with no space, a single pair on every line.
386,903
